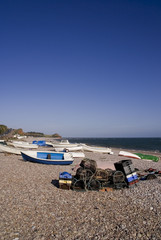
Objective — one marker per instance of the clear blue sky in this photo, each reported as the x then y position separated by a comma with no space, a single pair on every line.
81,68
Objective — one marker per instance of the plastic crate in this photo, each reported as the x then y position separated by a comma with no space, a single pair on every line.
133,183
126,162
65,176
65,184
131,177
125,166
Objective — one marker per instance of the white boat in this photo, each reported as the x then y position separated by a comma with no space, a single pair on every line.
76,148
5,148
59,149
19,137
97,149
128,154
74,154
77,154
49,144
18,144
65,144
69,149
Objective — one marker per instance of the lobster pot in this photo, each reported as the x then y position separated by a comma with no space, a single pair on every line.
89,164
83,174
109,171
125,166
102,174
119,180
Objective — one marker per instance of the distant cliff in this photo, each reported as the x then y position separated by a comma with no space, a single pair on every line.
56,135
9,133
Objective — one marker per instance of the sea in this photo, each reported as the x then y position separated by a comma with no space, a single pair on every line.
146,144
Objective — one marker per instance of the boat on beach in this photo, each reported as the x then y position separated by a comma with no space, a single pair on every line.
74,151
77,154
69,149
39,143
97,149
148,157
8,149
65,144
44,157
19,144
139,156
128,154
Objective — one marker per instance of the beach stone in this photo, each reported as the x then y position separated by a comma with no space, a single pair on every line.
32,207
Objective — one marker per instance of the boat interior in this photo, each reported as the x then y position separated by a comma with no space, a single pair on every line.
46,155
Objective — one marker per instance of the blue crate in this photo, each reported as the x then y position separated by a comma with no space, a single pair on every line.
65,175
132,177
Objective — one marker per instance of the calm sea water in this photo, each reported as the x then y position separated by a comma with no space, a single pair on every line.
148,144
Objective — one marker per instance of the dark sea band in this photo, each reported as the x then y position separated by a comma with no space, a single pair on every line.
147,144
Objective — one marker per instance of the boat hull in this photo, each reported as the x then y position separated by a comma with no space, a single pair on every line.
22,145
77,154
65,145
128,154
69,149
56,158
148,157
97,149
7,149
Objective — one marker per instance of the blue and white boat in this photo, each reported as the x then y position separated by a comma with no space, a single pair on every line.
39,143
44,157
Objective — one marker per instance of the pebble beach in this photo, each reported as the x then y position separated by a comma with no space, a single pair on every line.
34,208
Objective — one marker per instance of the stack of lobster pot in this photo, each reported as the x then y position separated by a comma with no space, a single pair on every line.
127,168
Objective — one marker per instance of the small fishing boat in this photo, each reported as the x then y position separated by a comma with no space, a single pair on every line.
128,154
97,149
8,149
77,154
19,137
39,143
148,157
65,144
49,144
69,149
76,148
20,144
44,157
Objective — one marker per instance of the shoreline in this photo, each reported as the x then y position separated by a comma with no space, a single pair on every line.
156,152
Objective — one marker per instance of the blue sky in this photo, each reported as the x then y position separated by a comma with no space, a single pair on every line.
81,68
